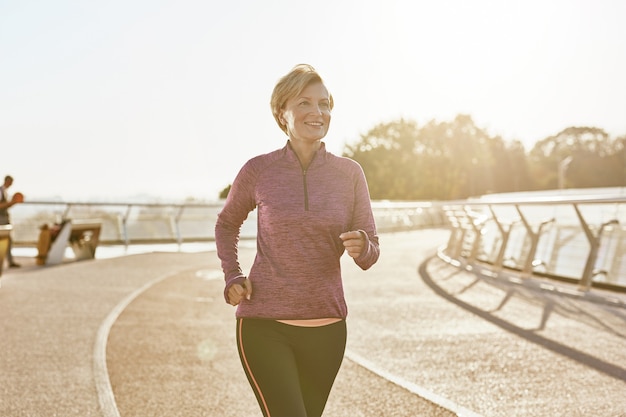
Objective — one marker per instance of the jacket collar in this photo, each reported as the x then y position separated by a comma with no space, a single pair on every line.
320,154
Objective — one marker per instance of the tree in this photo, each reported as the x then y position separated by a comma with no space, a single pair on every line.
618,161
456,159
386,155
224,192
596,159
440,161
510,171
462,153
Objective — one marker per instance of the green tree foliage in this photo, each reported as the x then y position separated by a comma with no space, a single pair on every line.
618,161
224,193
595,159
387,152
511,173
456,159
440,161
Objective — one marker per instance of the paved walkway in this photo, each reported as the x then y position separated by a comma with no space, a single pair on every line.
149,335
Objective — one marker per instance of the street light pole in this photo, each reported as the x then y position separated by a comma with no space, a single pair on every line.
563,165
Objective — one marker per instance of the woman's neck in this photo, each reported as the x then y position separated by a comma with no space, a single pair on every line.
305,151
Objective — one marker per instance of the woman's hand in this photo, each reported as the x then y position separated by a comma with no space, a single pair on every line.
354,242
238,292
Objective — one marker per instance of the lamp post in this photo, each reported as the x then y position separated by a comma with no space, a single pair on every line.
563,165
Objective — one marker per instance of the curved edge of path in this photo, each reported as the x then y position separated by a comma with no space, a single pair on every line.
101,373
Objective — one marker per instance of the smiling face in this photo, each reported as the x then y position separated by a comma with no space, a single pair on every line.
307,116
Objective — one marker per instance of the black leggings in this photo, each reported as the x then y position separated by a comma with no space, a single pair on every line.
291,369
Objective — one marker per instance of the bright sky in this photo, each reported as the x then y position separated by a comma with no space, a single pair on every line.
110,99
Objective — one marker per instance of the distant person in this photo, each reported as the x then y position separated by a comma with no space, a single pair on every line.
312,206
5,204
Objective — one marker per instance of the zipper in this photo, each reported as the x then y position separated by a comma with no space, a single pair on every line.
304,171
306,191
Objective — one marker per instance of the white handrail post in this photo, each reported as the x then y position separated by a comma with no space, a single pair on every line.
594,246
534,237
504,233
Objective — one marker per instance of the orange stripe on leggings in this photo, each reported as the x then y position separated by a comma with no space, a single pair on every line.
245,361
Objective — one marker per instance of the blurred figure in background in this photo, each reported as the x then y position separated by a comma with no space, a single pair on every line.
5,219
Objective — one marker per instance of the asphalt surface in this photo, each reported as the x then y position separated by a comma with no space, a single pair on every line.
150,335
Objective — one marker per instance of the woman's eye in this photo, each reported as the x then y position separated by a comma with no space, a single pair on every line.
303,103
324,105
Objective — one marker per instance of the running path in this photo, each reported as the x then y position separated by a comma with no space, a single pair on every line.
418,328
173,353
474,346
53,323
49,322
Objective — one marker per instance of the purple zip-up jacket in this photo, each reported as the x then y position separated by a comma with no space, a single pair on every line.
301,213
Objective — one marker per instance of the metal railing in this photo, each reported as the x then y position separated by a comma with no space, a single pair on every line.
134,223
122,223
581,239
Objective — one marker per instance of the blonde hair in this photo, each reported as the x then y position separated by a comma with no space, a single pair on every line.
290,85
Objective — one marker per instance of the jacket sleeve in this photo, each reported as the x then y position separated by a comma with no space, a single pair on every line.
363,221
239,203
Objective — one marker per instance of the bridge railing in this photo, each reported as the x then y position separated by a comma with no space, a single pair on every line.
122,223
580,239
133,223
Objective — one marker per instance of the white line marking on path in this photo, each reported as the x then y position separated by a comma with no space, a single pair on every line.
101,373
411,387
